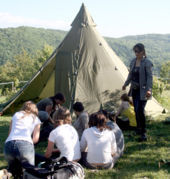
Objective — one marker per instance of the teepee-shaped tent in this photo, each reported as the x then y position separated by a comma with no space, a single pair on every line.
84,68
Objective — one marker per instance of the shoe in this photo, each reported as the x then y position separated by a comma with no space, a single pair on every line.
143,138
137,132
4,174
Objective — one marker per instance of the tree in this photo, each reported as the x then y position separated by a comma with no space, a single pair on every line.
165,71
21,68
42,56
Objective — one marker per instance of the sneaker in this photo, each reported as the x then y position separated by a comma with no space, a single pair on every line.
4,174
143,138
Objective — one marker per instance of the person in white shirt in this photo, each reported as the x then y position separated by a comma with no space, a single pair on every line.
100,144
24,132
64,136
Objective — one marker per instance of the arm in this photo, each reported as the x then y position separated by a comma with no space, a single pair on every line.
113,145
49,109
83,143
49,149
128,80
121,108
36,133
84,122
10,128
149,78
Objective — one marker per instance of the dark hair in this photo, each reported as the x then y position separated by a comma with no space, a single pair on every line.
60,97
92,120
101,120
106,114
78,106
140,47
125,97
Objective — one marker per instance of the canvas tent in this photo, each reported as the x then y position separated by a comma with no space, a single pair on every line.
84,68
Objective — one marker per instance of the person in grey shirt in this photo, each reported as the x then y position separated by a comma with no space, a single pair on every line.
82,120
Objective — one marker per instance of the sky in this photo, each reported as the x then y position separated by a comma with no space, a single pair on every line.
114,18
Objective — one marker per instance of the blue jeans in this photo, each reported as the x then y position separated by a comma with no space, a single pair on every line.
20,150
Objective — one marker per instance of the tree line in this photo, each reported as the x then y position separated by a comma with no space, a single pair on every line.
13,40
26,53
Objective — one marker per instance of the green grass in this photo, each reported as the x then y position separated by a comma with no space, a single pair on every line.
140,160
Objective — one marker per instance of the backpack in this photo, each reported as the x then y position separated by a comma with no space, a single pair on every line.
55,169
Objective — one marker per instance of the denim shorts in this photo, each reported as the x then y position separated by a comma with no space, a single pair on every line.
20,150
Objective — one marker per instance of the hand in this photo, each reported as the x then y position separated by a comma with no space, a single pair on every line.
123,87
148,94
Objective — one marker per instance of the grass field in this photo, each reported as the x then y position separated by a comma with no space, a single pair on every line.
140,160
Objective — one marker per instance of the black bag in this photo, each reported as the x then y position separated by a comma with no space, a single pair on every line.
56,169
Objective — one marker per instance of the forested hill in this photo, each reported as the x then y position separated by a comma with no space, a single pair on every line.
13,40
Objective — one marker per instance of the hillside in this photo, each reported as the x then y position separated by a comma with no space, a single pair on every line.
13,40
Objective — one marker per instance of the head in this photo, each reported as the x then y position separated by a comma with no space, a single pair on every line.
78,108
105,113
139,50
30,108
92,120
59,98
100,121
62,116
125,97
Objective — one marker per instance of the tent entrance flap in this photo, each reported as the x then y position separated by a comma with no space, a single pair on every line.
66,75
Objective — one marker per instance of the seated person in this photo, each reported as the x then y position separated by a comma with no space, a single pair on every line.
100,144
64,136
46,108
126,109
81,123
23,133
117,131
58,100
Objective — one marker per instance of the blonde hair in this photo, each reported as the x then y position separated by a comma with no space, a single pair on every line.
61,114
30,108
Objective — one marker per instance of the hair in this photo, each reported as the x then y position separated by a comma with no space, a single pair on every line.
106,114
140,47
101,121
30,108
61,115
58,96
125,97
78,106
92,120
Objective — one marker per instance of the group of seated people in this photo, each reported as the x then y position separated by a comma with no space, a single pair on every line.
94,140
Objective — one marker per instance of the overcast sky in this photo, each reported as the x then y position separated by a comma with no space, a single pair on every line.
114,18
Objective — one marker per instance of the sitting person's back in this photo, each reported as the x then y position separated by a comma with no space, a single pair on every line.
126,109
130,114
64,136
117,131
82,120
66,139
119,137
100,144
